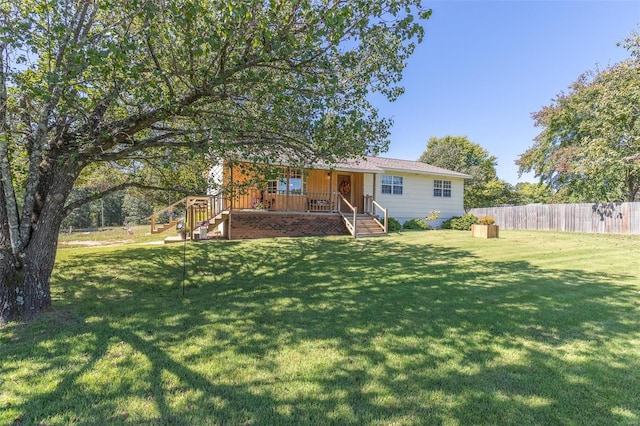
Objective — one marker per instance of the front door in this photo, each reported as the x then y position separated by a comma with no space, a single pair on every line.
344,188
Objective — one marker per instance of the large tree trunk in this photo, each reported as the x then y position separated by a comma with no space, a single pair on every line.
24,289
24,278
24,285
9,290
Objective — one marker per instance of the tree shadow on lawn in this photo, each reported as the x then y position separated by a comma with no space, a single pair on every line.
380,331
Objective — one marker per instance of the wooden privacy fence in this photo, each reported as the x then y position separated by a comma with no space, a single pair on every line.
603,218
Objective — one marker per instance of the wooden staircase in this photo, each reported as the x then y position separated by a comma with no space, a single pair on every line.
212,230
193,211
215,222
163,227
367,226
364,224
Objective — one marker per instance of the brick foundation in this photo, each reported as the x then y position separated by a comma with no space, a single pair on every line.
249,225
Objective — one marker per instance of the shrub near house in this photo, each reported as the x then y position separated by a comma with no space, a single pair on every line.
393,225
416,224
462,223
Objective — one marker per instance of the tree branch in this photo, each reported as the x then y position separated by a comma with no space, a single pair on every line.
10,205
101,194
39,140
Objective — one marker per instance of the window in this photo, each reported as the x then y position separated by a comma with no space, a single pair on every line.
295,182
392,184
272,186
442,188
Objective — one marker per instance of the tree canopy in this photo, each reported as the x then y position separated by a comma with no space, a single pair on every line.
532,193
591,135
125,83
459,154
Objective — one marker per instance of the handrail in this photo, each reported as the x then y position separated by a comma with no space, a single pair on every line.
257,199
385,224
196,209
168,208
370,206
216,204
353,228
193,199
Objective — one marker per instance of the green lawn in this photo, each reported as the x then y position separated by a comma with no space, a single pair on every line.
111,236
417,328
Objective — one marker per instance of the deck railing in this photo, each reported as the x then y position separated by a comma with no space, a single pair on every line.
192,210
217,203
262,200
351,211
171,217
198,210
374,209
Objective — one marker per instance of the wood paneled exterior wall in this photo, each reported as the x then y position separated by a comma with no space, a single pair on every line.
320,189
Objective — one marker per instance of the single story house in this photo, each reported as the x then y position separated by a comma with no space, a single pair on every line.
355,196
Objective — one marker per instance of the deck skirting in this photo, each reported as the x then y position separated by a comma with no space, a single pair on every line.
250,224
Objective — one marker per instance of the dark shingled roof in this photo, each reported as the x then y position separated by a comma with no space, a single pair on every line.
382,165
369,165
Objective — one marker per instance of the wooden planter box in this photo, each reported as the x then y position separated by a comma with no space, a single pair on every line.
485,231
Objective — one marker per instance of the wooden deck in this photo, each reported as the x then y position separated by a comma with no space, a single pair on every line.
237,218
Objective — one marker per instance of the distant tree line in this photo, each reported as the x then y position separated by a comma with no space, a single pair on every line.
112,210
485,189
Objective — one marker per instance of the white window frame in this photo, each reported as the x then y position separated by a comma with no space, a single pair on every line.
442,188
392,185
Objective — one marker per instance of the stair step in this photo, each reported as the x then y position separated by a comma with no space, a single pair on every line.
366,226
373,234
174,239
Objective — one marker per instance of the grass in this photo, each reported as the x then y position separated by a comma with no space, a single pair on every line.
111,236
417,328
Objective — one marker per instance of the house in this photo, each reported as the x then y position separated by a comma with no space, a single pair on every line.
355,196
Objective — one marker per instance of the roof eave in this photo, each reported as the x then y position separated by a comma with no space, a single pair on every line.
432,173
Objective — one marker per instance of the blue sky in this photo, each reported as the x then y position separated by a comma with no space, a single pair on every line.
484,67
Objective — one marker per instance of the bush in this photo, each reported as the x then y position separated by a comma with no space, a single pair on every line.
486,220
417,224
460,223
393,225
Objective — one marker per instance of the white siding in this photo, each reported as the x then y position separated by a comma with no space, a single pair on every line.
368,184
417,198
215,178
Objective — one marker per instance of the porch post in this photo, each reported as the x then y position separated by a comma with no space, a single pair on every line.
375,175
232,190
288,175
331,190
386,221
187,215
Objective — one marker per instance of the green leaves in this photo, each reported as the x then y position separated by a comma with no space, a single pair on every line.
588,133
121,82
458,153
